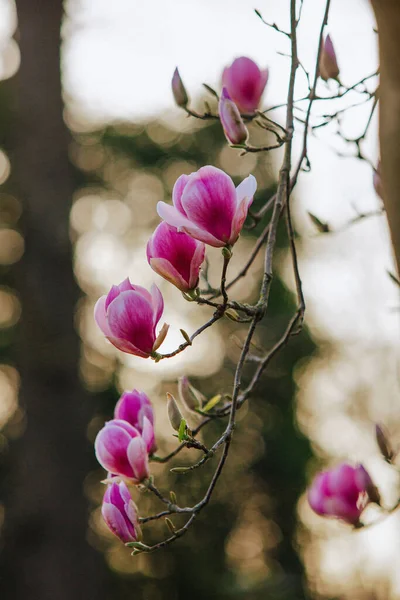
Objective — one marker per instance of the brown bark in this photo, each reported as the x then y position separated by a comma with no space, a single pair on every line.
387,14
46,555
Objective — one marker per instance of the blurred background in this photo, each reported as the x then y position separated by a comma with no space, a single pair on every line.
86,152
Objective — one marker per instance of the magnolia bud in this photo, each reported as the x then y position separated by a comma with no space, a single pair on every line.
189,396
383,443
234,129
328,67
178,89
174,414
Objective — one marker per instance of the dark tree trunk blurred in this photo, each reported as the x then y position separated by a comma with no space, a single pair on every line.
45,552
387,14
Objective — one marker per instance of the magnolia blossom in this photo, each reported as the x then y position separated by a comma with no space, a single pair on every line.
341,492
232,123
207,206
176,256
120,513
136,408
245,83
122,451
128,316
328,67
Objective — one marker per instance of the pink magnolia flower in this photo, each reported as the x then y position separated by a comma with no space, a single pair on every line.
234,129
341,492
122,451
175,256
207,206
128,316
136,408
328,67
245,83
120,513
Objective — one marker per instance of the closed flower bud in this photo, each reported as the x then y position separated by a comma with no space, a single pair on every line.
207,206
328,67
342,492
136,408
234,129
245,83
383,443
176,256
178,89
128,316
120,513
189,396
174,414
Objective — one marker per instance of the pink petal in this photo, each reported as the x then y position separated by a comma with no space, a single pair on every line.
130,318
112,294
111,446
176,219
127,347
176,248
133,432
362,479
164,268
178,191
157,302
244,198
132,407
100,315
342,481
209,200
148,436
317,495
197,261
143,292
124,492
138,459
117,523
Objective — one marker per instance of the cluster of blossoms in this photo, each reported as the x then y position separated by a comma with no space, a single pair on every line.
206,209
123,447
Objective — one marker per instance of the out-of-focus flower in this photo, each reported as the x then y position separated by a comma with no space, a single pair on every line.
136,408
207,206
122,451
342,492
245,83
120,513
128,316
234,129
179,90
176,256
328,67
377,181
